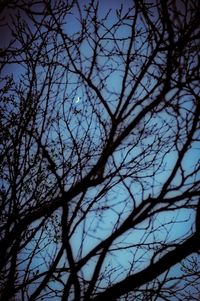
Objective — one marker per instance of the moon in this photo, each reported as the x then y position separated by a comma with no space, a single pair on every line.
77,100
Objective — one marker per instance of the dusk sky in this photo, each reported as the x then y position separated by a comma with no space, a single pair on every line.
100,149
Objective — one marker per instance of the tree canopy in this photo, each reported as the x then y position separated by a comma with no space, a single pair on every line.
100,140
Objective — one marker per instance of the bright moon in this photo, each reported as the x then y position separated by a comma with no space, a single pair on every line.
77,100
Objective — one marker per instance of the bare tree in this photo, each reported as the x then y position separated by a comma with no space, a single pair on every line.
99,150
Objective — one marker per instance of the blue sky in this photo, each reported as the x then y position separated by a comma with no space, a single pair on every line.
146,157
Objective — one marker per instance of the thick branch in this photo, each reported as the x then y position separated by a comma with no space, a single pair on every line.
129,284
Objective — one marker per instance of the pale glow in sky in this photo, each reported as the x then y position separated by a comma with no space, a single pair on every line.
77,100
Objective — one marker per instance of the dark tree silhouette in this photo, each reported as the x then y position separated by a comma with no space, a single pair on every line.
100,139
